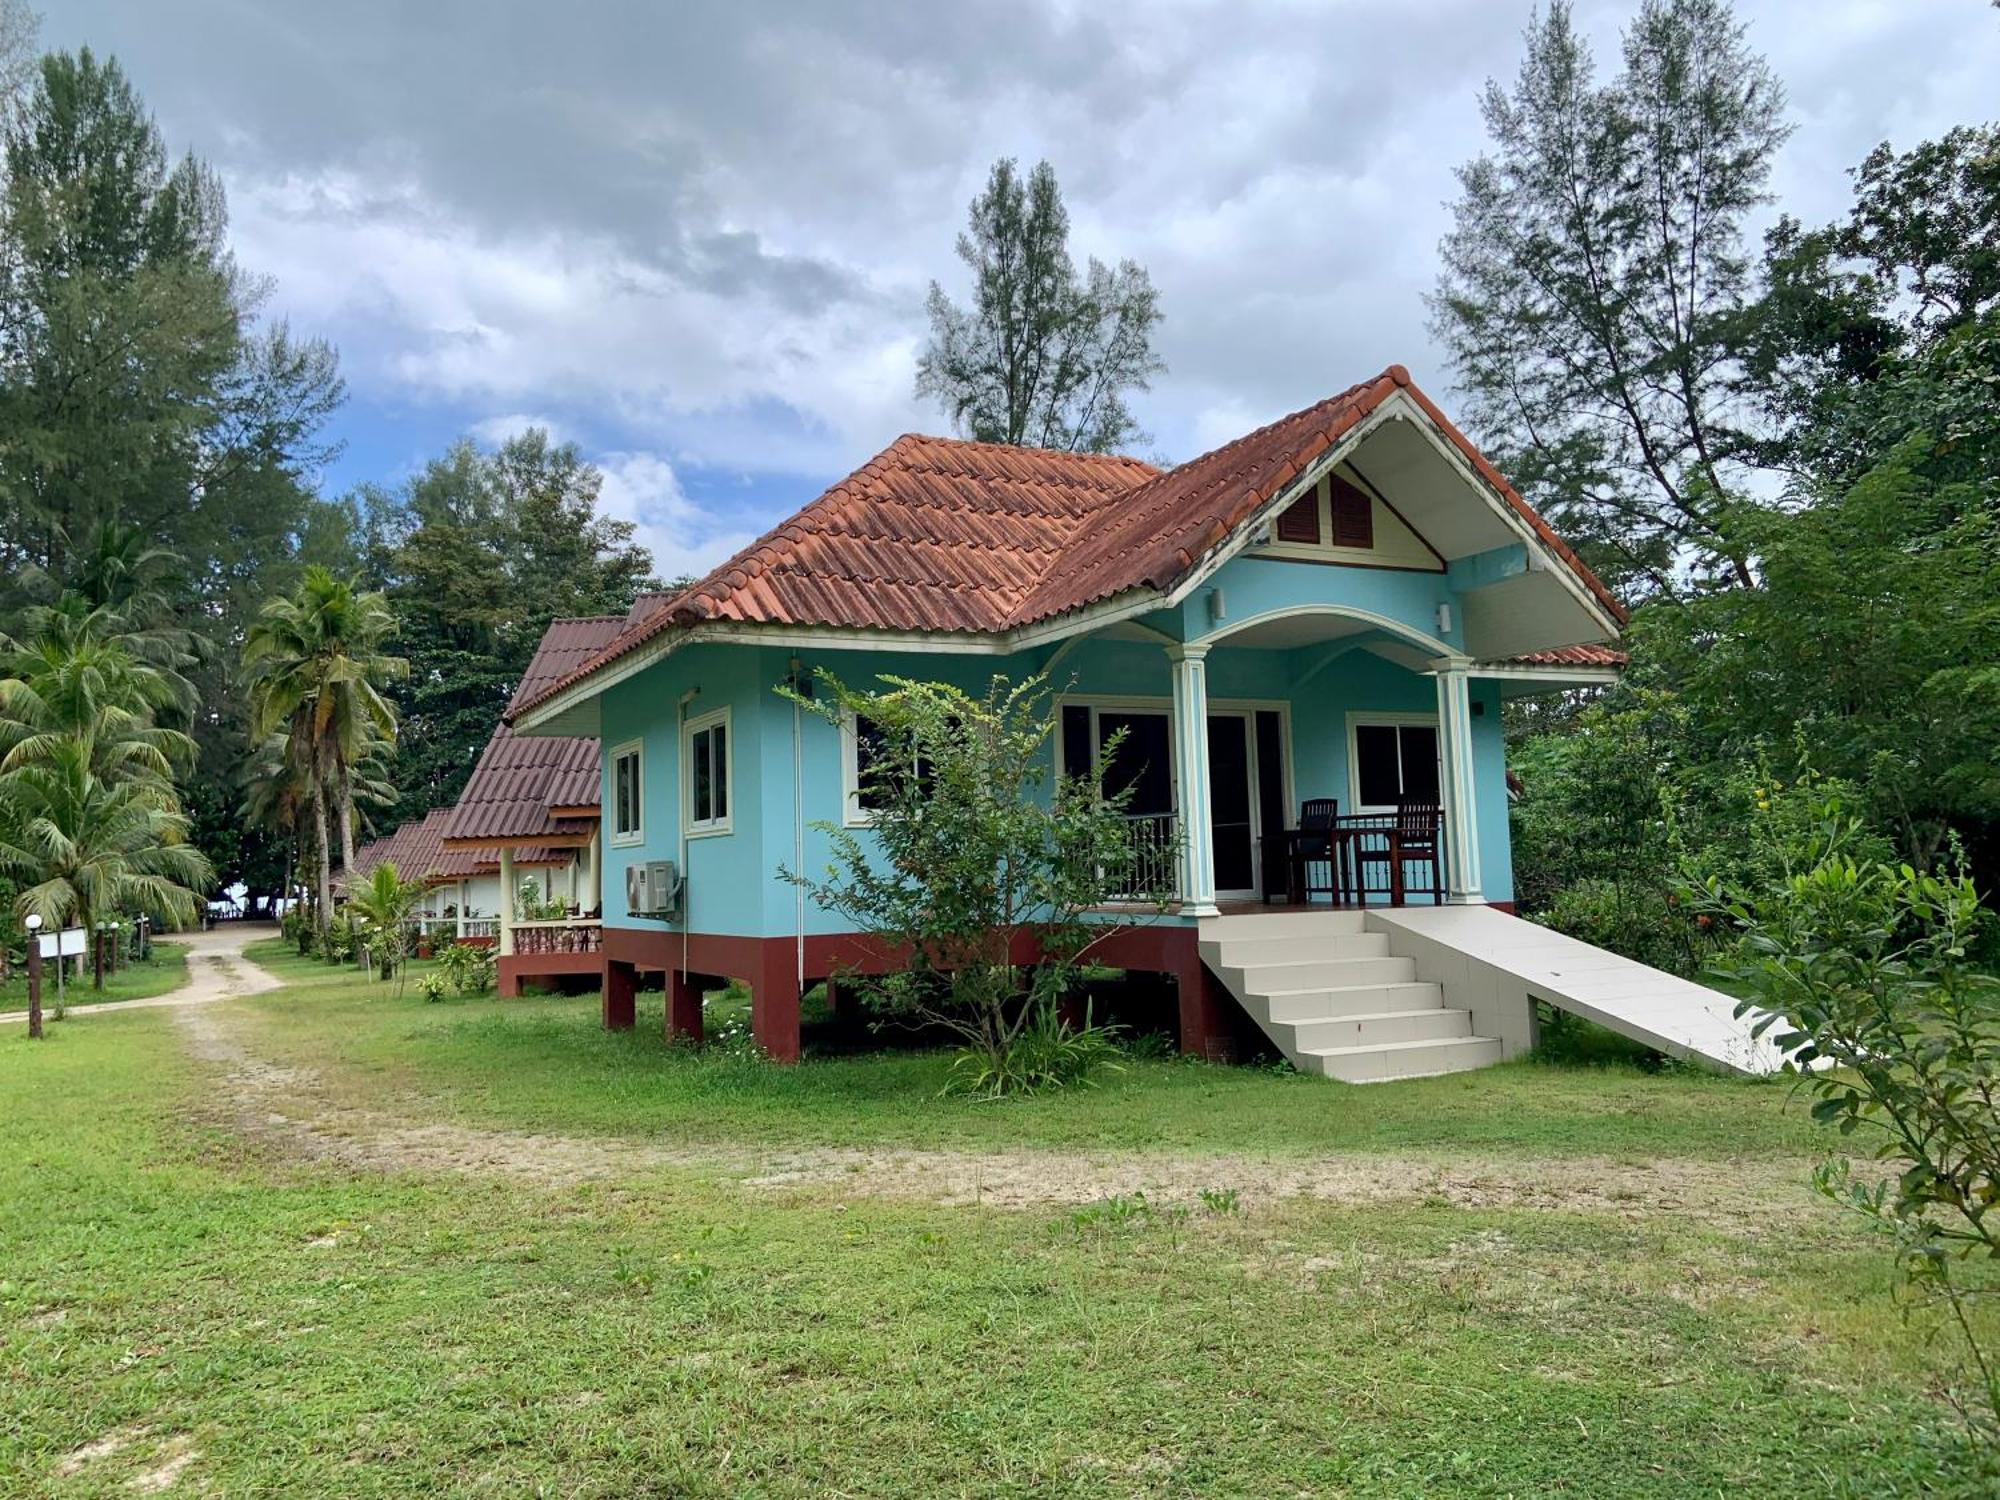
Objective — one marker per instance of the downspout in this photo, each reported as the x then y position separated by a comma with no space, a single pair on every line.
681,782
798,825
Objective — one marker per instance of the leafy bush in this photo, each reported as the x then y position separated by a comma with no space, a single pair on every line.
1861,967
1048,1053
979,853
433,987
469,968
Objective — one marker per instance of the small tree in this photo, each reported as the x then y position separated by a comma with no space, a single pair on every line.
981,863
382,908
1862,968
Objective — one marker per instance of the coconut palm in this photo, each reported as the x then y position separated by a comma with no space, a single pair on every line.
72,681
316,668
84,845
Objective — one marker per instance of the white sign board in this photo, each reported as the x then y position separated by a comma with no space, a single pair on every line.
65,944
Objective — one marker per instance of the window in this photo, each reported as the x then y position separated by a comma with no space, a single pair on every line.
861,750
628,822
1338,515
1392,759
705,773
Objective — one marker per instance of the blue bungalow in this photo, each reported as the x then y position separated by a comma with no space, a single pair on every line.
1329,610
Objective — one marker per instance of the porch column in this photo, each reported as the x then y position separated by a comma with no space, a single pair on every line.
592,895
461,909
1190,674
506,902
1461,800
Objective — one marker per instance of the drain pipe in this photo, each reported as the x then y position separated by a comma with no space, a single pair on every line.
681,776
799,688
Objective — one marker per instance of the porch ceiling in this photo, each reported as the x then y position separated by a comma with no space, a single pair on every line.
1298,630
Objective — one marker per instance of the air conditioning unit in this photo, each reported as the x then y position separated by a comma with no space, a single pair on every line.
653,889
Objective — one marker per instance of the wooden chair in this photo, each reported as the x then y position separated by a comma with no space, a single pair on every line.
1412,838
1313,842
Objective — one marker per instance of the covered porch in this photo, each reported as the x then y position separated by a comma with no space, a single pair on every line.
1312,755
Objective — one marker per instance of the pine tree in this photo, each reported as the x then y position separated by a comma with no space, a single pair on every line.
1044,357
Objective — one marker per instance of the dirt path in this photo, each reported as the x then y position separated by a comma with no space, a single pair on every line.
217,970
291,1110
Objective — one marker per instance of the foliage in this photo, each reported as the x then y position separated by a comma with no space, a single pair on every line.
1593,277
433,987
1048,1053
384,908
477,554
1870,643
469,968
981,862
1043,357
141,397
1861,966
317,669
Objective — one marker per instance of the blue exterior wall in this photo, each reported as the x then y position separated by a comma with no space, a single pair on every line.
733,886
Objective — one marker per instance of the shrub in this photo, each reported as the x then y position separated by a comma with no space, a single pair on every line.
469,968
1047,1053
433,987
979,853
1860,966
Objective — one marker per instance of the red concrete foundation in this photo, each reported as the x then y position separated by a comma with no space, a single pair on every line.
517,969
621,997
770,967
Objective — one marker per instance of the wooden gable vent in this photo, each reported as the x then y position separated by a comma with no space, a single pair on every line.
1299,521
1353,515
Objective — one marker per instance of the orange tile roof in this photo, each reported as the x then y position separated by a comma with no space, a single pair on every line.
520,780
939,535
1571,656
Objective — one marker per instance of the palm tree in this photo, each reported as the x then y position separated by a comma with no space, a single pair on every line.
85,845
384,904
72,681
316,669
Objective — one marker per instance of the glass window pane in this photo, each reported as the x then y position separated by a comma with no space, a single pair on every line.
1420,762
720,757
1375,770
700,777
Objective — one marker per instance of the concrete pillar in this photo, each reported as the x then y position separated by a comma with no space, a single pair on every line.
506,903
592,894
683,1008
621,984
1205,1029
1190,730
774,1004
1461,798
461,909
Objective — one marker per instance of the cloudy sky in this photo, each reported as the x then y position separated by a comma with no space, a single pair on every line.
695,238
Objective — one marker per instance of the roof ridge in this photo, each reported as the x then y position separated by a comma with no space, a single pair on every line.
991,447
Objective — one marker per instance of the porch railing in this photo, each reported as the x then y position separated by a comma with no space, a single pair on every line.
477,927
1154,839
571,935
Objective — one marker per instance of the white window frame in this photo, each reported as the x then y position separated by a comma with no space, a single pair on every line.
1356,718
852,813
701,724
637,833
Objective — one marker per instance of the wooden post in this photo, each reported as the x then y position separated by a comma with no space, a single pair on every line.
35,984
97,957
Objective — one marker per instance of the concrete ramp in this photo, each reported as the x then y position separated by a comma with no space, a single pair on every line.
1492,965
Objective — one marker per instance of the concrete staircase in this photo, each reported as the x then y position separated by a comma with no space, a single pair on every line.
1336,1001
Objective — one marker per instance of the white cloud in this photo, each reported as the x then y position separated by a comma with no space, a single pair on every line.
642,488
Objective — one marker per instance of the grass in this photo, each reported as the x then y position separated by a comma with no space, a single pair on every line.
206,1306
545,1064
138,979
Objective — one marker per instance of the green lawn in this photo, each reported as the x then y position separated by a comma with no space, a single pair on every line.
190,1298
135,980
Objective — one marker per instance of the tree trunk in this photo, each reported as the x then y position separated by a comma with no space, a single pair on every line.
324,892
347,823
